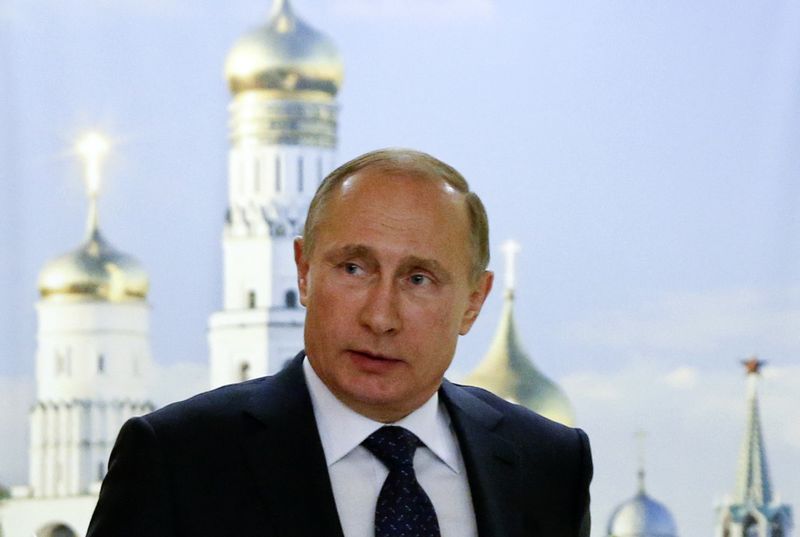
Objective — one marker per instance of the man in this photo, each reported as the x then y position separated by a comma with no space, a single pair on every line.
361,436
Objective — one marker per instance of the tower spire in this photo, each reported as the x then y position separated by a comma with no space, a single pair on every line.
510,249
282,16
753,482
92,148
640,472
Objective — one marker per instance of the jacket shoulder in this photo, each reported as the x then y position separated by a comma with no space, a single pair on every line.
525,427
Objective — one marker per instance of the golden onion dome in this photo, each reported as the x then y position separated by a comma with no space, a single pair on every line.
285,56
95,271
508,372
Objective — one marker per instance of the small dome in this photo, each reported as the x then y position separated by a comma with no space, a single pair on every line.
507,371
95,271
286,56
642,516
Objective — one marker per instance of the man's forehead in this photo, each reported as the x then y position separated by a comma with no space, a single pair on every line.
398,177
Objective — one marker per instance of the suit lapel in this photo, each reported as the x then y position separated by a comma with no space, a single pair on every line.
284,453
490,460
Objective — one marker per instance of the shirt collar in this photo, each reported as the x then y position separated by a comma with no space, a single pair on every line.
342,429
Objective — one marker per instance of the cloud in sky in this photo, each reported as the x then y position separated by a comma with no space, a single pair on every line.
682,378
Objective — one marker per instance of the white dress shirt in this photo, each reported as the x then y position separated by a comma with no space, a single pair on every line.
357,476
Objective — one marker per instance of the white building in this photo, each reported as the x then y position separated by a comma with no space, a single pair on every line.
284,77
92,359
754,511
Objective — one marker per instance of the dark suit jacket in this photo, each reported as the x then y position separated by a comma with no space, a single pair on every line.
246,460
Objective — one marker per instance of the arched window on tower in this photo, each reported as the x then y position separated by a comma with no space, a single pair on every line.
290,299
101,363
300,174
59,357
244,371
59,531
277,174
750,527
319,169
251,299
776,527
101,471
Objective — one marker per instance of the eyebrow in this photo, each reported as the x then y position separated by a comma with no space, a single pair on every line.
351,250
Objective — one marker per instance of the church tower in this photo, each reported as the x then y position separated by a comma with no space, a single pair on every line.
284,77
507,371
92,361
754,511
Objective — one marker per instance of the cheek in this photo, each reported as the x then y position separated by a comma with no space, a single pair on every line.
436,320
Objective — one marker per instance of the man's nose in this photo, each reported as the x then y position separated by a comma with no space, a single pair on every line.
380,312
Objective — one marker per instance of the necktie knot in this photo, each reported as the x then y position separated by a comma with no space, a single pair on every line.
394,446
403,509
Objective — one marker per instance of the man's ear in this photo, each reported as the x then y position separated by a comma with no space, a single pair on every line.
476,299
302,269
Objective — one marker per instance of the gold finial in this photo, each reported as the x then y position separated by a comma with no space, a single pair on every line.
283,16
92,147
753,365
640,436
510,248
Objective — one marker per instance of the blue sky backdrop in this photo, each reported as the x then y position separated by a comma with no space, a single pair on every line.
645,155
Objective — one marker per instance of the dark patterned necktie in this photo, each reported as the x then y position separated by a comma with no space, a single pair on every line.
403,509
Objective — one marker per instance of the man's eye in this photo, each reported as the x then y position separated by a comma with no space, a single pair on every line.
352,268
419,279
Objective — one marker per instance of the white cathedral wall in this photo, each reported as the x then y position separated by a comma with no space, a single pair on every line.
30,516
91,368
247,260
236,338
73,339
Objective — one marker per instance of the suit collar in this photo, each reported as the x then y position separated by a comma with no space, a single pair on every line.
284,452
281,445
491,462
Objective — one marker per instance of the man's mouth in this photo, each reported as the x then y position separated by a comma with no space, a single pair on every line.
375,356
372,361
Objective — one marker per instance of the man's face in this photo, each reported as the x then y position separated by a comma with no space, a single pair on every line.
387,291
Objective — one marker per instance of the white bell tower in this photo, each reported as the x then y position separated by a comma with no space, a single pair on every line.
284,77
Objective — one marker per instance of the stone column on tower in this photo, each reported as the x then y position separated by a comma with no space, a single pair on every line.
283,77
